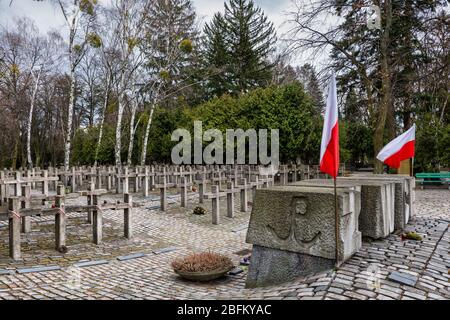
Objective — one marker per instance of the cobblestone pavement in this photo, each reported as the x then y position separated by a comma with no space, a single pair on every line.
149,275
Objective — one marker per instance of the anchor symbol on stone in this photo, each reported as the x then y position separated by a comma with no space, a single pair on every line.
298,208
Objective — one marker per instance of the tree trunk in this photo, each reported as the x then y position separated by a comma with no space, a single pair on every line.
390,120
386,98
30,120
121,99
69,121
147,133
132,132
15,153
102,121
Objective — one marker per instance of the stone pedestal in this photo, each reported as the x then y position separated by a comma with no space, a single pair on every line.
377,203
404,195
270,266
292,229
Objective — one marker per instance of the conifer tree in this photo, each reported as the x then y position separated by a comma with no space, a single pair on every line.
240,42
216,56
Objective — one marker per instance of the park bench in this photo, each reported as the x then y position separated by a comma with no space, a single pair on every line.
434,178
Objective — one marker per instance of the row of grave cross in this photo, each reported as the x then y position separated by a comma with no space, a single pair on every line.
141,178
16,199
19,210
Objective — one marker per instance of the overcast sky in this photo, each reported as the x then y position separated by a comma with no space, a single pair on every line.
47,16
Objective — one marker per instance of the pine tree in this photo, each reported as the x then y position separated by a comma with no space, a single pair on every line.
251,38
216,57
241,42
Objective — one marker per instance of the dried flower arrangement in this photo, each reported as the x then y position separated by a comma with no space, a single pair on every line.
203,262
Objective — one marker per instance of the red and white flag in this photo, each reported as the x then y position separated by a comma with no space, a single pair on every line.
399,149
329,149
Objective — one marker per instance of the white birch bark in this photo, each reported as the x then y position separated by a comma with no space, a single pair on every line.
102,121
68,142
121,99
132,131
128,29
147,133
72,22
30,120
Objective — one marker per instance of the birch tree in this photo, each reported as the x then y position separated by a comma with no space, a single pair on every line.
170,33
127,17
43,53
103,113
79,16
17,61
109,57
30,115
24,51
153,104
135,101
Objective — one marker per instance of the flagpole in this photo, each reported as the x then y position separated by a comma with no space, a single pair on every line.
336,218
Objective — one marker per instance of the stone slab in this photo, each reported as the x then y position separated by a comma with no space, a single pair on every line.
240,228
164,250
236,271
90,263
403,278
271,266
131,256
6,272
38,269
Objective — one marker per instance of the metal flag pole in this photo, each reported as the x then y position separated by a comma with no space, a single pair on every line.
336,217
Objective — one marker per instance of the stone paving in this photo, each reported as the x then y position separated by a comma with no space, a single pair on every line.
148,274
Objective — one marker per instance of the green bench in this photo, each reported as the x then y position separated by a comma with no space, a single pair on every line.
433,178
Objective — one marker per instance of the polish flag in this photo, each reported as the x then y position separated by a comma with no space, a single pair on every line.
399,149
329,149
